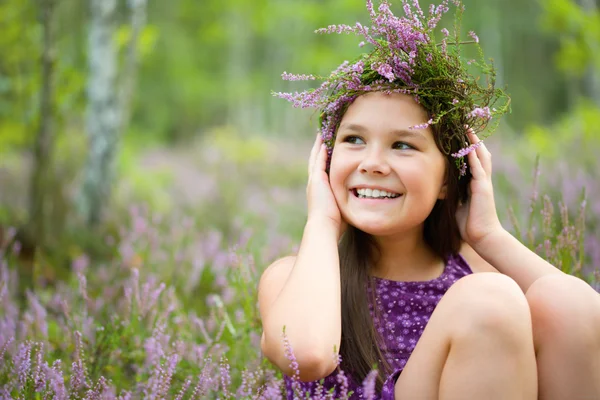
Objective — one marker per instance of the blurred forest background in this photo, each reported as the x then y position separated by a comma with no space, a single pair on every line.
140,147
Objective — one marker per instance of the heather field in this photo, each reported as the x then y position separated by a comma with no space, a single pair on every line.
165,306
148,176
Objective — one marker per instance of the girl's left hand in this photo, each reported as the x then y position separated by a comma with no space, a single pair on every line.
477,218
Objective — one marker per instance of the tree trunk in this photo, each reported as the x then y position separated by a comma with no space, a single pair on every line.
34,233
103,114
591,79
137,21
238,70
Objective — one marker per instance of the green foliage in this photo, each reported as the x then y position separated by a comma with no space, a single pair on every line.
579,32
577,132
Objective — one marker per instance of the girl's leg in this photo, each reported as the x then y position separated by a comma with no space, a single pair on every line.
566,327
478,344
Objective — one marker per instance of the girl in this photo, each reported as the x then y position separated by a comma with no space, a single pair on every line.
403,263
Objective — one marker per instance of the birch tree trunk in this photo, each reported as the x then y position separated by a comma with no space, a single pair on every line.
103,114
138,21
45,136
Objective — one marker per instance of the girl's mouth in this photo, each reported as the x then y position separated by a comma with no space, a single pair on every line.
374,194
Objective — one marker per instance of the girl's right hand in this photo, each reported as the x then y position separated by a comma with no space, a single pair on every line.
321,202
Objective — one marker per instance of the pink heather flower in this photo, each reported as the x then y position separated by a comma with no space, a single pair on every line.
184,389
474,36
5,346
343,381
225,377
57,382
359,67
445,32
422,126
386,71
22,363
289,354
454,101
80,263
165,378
78,380
463,152
361,44
39,379
292,77
463,169
369,385
483,113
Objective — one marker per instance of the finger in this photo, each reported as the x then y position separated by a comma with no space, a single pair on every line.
322,161
314,151
483,154
475,165
316,162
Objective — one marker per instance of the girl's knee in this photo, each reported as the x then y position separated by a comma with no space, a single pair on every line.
491,303
564,306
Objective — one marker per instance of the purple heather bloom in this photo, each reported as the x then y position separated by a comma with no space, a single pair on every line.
291,77
22,363
474,36
422,126
463,169
289,354
386,71
184,389
463,152
342,379
483,113
369,385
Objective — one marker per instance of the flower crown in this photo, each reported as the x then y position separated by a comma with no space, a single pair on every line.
405,58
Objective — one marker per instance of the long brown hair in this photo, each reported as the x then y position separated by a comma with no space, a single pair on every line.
359,347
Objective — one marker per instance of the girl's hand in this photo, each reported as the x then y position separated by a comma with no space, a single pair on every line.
477,218
321,202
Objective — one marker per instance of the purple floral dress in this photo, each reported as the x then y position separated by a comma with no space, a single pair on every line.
405,308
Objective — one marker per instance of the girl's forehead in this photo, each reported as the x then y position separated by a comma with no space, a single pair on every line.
380,107
379,112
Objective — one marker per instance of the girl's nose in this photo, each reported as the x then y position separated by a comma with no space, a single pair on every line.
374,163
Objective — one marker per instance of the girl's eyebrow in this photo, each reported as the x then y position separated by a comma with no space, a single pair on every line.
396,132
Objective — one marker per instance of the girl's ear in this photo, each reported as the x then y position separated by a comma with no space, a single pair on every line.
443,192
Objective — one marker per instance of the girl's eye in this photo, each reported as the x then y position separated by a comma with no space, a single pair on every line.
402,146
353,140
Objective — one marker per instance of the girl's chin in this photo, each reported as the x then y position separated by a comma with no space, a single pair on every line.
376,228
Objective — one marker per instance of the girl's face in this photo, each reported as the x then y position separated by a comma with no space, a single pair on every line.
375,150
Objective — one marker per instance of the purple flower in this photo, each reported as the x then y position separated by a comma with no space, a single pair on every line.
422,126
369,385
483,113
386,71
463,152
22,363
474,36
291,77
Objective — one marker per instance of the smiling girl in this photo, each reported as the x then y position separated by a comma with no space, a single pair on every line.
404,265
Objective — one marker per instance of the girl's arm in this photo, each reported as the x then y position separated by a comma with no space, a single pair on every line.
480,227
511,257
307,301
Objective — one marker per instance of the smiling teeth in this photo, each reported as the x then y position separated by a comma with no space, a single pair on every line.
375,194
